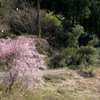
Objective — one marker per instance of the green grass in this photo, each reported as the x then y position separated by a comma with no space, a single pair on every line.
38,94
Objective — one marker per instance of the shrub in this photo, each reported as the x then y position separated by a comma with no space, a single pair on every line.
23,61
6,34
90,57
94,41
70,38
54,19
52,23
63,58
23,20
98,49
87,50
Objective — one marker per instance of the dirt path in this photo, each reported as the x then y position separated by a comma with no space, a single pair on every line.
57,71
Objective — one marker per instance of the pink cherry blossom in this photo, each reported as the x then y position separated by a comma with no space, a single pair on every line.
23,61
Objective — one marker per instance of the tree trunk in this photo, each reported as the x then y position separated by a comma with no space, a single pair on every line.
38,18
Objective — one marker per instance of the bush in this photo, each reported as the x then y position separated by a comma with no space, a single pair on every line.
52,24
94,41
87,50
63,58
98,49
6,34
55,20
70,38
23,20
90,57
42,45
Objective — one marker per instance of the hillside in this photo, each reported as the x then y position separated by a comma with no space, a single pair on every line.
50,50
67,86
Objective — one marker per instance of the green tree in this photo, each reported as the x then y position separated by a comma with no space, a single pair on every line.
38,18
83,12
53,23
73,10
92,24
89,55
94,41
70,39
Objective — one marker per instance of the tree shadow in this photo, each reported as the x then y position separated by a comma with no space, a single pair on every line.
85,74
73,67
81,72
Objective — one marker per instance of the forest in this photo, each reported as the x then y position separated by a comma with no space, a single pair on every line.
38,35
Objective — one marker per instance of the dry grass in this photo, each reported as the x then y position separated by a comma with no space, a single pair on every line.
72,84
68,86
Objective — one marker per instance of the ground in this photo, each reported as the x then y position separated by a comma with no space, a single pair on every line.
68,85
79,87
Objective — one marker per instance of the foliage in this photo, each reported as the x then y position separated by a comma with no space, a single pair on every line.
73,10
42,46
77,31
54,19
58,23
87,50
92,24
23,61
63,58
98,49
8,34
53,23
70,39
94,41
89,55
86,13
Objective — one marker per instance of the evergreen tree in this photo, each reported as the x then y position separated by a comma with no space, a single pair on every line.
92,24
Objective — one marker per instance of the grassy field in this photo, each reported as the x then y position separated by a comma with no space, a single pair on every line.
68,86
